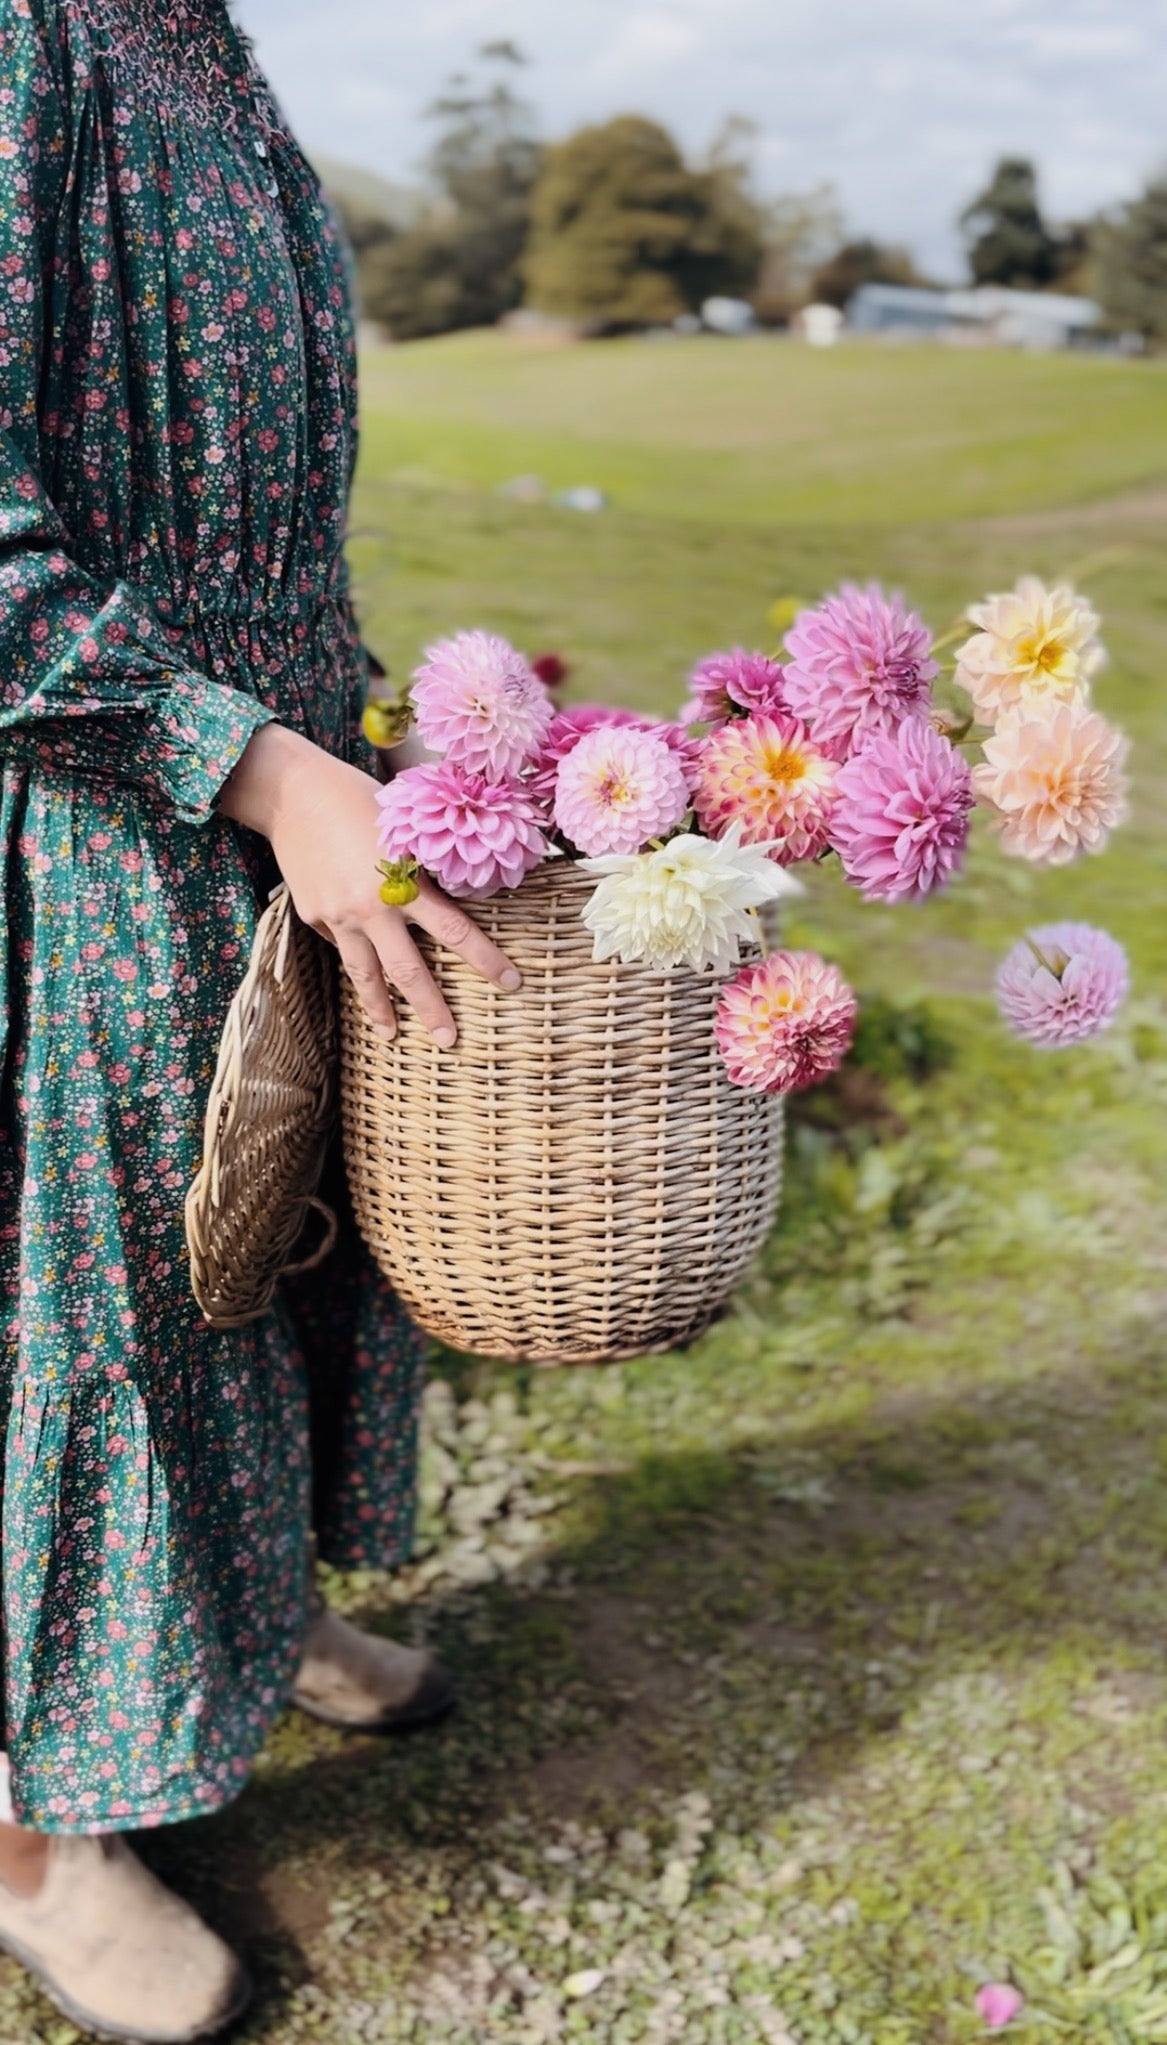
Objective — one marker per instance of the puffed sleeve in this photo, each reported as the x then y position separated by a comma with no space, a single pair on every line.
88,682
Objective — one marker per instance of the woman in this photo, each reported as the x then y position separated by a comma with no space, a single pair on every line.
180,684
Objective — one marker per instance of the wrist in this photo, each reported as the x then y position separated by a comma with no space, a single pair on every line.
263,780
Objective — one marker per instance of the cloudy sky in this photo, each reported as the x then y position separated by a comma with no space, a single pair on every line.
903,103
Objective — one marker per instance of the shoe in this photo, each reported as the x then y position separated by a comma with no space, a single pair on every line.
365,1684
117,1953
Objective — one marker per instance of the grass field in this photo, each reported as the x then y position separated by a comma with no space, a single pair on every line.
817,1676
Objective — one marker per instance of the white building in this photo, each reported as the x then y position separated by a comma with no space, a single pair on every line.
1010,319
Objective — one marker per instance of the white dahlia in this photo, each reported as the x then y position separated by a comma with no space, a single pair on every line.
1035,649
688,903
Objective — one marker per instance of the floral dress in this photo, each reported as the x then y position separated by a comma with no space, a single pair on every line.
177,436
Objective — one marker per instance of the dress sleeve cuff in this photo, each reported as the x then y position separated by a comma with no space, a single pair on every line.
201,729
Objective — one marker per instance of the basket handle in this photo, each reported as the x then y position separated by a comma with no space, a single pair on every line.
323,1249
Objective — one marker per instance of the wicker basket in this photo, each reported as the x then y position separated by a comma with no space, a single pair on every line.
271,1111
578,1180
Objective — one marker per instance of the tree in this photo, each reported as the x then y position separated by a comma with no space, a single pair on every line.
624,234
460,266
798,233
1130,263
1009,242
862,262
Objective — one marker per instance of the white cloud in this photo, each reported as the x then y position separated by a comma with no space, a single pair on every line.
904,103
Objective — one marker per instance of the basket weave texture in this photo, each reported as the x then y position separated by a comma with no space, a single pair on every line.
578,1180
271,1110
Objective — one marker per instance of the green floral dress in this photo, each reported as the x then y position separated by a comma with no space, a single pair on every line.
177,436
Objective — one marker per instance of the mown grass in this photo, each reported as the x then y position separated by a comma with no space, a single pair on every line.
814,1677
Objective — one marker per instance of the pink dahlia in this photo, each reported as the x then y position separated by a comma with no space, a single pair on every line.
478,702
901,818
785,1023
861,666
1056,781
727,684
1063,984
766,774
474,836
618,788
569,726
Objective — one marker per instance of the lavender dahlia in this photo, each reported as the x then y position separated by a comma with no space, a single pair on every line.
785,1023
901,816
474,836
478,702
728,684
861,665
1062,984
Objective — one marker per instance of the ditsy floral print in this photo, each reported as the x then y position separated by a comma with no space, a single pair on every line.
177,436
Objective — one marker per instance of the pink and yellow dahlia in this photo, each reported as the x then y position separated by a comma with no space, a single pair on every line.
1035,648
785,1023
860,666
478,702
1056,782
474,836
617,789
767,775
901,816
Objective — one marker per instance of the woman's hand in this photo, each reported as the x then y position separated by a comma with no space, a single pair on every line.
320,816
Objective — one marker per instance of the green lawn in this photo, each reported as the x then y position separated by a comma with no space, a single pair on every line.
817,1676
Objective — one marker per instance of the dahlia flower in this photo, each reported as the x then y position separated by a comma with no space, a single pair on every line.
901,816
1035,648
478,702
785,1023
1062,984
568,727
617,788
728,683
1057,783
687,903
474,836
766,774
861,665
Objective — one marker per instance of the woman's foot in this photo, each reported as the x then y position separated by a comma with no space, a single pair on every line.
119,1955
365,1684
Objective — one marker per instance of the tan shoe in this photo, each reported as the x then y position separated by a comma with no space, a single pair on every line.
119,1955
365,1684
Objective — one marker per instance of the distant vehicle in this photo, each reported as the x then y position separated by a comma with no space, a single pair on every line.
728,316
1038,320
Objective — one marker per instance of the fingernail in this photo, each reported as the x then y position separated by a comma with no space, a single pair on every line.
511,980
386,1035
446,1038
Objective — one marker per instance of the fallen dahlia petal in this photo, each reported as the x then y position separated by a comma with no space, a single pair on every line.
1063,984
998,2004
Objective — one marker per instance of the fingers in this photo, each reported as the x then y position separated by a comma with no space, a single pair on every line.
458,932
361,963
402,964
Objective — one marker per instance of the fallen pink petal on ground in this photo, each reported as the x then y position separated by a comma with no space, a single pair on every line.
998,2004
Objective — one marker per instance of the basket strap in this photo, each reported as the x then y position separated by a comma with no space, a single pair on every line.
323,1249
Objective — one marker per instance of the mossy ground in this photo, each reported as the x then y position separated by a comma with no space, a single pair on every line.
819,1675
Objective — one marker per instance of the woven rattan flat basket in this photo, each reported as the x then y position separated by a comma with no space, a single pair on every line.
578,1180
271,1110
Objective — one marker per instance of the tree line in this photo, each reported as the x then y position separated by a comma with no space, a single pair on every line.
612,229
